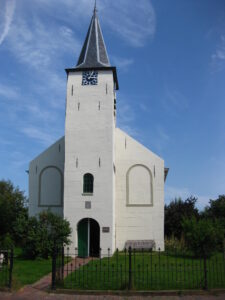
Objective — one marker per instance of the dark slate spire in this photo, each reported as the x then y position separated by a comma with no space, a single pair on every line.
93,53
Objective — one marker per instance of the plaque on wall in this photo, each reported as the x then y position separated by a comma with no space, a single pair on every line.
105,229
88,204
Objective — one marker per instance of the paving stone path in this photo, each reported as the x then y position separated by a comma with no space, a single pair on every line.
45,282
30,293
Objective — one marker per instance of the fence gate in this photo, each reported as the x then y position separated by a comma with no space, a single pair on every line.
6,267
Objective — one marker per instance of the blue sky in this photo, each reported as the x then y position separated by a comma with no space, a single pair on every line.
170,56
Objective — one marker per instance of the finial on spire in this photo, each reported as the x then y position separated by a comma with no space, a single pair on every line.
95,7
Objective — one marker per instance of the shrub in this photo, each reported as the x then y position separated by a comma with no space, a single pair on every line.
216,210
6,242
43,233
174,245
12,206
203,237
174,214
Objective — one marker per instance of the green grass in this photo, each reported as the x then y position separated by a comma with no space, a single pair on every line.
149,272
27,271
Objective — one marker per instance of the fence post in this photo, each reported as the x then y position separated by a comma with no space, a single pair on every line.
130,270
224,248
205,274
62,265
11,268
54,268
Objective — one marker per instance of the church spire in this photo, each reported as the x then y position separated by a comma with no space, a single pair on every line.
95,8
94,53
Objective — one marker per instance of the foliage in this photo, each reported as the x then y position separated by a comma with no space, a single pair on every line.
12,207
216,209
58,228
33,239
174,245
6,242
202,236
174,214
35,235
20,228
43,232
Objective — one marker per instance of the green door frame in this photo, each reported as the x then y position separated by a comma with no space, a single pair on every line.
83,237
83,232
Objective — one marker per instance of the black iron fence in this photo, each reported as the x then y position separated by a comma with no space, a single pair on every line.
137,270
6,267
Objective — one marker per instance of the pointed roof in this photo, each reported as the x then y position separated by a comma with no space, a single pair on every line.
94,53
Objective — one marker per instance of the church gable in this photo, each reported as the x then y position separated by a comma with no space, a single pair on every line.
139,192
46,179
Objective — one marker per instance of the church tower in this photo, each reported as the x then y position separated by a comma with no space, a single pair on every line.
89,171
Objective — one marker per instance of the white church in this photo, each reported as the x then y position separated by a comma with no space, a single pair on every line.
105,183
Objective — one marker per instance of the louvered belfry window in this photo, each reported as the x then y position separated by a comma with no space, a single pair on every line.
88,183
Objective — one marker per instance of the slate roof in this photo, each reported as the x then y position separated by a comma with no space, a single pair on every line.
93,53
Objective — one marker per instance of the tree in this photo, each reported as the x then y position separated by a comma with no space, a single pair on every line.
216,210
12,206
43,233
175,212
203,237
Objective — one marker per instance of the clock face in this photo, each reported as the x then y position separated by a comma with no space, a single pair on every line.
90,78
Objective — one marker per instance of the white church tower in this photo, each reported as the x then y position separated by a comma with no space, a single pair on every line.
106,184
89,174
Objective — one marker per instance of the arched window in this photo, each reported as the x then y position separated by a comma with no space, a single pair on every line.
51,187
88,183
139,186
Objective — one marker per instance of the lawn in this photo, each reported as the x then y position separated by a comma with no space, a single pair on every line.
150,271
29,271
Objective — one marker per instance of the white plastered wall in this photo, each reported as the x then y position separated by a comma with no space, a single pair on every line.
45,172
89,148
138,222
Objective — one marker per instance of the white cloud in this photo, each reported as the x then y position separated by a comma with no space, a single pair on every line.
39,45
65,9
218,57
126,117
172,192
35,112
130,130
160,139
5,142
38,134
125,112
8,92
144,107
174,102
134,22
8,17
162,134
18,160
122,63
203,201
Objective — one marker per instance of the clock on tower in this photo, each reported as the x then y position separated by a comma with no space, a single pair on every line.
90,78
